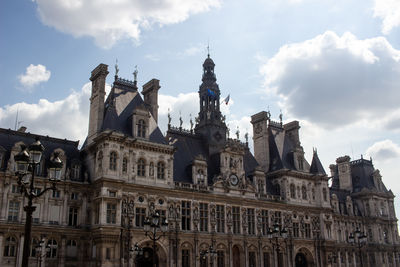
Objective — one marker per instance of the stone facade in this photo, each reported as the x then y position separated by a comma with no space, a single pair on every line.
209,187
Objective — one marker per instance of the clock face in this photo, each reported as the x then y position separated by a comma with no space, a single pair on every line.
234,179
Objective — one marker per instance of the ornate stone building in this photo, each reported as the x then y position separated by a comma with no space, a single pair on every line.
210,188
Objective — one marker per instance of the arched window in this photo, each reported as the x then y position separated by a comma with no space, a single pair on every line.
141,130
113,161
160,170
10,247
303,192
72,250
292,191
141,167
52,252
124,165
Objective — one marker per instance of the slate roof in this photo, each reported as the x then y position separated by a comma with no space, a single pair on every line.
123,122
8,138
189,146
316,165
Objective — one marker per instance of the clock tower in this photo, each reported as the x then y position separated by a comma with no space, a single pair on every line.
210,123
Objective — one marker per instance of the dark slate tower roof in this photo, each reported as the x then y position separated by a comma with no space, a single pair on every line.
316,166
119,106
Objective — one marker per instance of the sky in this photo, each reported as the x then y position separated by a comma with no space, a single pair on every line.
333,65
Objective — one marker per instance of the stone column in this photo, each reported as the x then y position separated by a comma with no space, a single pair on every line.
246,253
64,213
1,247
260,254
4,202
20,251
62,251
230,251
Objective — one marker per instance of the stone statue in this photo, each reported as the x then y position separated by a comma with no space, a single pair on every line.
116,67
135,74
191,123
180,120
169,118
246,136
237,133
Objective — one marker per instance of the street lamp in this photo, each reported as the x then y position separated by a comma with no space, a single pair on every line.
152,225
360,239
26,162
211,251
274,234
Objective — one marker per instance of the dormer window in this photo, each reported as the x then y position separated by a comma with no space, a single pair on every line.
113,161
141,128
75,171
200,176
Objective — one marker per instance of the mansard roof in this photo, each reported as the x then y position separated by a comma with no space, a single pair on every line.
8,138
190,146
281,149
121,104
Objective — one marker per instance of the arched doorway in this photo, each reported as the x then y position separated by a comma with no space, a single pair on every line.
236,256
301,260
146,260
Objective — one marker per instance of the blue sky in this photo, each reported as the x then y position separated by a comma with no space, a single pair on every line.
332,65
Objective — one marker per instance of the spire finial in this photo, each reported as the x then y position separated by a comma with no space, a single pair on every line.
208,49
116,67
135,74
169,119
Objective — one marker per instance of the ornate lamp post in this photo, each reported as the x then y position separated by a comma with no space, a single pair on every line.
27,160
359,239
211,251
152,225
274,234
127,216
136,250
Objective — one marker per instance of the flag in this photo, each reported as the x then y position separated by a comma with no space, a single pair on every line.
226,100
211,93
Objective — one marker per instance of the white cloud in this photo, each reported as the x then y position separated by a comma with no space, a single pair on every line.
389,12
384,150
334,81
109,21
34,75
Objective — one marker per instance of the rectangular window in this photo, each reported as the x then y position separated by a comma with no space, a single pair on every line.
307,230
163,215
220,259
56,193
74,196
111,213
185,258
186,215
252,259
73,216
112,193
108,253
236,220
264,222
13,211
266,259
15,189
203,217
220,219
251,222
295,229
54,216
278,218
140,216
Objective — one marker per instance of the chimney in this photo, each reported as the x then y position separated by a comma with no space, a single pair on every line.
344,169
150,93
96,115
260,138
22,129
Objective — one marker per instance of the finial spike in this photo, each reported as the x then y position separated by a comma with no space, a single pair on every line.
116,67
208,49
135,74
